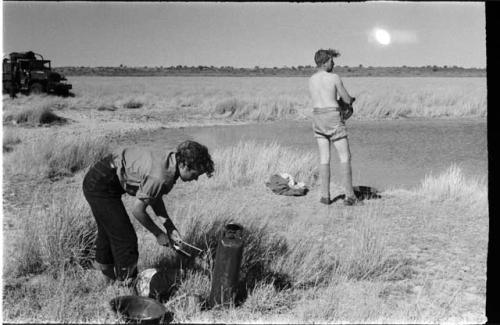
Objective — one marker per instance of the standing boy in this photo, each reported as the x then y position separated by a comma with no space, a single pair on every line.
328,125
147,175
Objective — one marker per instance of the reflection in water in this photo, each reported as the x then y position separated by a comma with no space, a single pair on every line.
385,154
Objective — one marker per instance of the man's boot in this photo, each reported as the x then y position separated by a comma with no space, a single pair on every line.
127,274
108,270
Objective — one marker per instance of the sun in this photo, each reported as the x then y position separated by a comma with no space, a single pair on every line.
382,36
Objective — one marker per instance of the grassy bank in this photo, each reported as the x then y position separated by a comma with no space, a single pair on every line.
176,99
380,262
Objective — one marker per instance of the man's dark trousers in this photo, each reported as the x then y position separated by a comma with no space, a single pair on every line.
116,242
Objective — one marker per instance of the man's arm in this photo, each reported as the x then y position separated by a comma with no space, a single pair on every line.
342,91
139,212
160,210
172,232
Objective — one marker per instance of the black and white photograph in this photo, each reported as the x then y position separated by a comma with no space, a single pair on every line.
244,162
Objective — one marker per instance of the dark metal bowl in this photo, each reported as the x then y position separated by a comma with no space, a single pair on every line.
137,309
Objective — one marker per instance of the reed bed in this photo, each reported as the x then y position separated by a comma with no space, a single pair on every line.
266,98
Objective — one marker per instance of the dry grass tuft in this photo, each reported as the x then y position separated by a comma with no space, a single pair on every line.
59,232
34,116
453,186
240,165
57,156
10,139
265,298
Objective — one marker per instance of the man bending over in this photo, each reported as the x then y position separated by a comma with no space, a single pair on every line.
147,175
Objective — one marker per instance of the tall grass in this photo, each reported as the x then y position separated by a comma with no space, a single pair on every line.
249,162
263,99
55,156
33,116
59,232
453,186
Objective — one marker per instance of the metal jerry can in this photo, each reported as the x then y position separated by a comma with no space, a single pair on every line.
227,266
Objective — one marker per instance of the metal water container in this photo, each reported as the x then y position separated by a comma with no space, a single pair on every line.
227,266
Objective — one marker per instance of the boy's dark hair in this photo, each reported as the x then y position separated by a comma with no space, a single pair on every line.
195,156
322,56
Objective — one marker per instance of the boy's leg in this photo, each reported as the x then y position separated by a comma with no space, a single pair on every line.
342,146
324,168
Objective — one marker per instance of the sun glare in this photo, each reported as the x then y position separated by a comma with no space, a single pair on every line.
382,36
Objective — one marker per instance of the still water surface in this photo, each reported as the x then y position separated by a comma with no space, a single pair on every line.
385,154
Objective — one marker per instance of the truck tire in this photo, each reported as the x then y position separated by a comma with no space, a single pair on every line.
36,88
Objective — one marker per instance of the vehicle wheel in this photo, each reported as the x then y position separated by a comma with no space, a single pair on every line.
36,88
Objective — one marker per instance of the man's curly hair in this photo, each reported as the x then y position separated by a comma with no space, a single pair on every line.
195,156
322,56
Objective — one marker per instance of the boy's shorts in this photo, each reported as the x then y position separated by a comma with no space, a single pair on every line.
328,123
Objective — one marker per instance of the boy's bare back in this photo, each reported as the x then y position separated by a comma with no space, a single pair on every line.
323,87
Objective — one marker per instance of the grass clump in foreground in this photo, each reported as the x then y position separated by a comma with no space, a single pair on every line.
59,233
57,156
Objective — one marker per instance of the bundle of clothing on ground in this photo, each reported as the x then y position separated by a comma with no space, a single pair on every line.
284,184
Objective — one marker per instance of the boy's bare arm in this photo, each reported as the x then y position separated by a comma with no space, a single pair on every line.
341,90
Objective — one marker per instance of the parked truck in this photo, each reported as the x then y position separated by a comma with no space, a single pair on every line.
29,73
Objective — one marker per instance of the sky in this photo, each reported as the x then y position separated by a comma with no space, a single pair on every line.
247,34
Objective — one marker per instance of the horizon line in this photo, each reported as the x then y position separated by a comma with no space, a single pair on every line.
181,66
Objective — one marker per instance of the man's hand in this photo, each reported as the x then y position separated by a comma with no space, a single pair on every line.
163,239
174,237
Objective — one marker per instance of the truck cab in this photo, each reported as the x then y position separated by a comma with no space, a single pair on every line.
28,72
